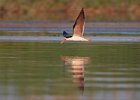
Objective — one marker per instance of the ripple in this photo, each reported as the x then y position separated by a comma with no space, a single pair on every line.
58,38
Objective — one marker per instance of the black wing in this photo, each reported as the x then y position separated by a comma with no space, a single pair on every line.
66,35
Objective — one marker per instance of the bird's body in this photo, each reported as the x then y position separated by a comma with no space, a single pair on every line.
76,38
78,29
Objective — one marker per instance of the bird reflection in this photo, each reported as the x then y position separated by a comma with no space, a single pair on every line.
77,65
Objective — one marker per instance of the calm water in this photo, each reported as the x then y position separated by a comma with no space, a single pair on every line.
58,27
60,38
71,71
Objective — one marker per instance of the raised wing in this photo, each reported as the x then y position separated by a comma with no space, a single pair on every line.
78,27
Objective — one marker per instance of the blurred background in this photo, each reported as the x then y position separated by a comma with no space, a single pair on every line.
96,10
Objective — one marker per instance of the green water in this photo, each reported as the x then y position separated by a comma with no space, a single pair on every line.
71,71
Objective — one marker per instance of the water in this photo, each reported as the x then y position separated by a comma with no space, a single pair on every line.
69,29
60,38
41,70
59,27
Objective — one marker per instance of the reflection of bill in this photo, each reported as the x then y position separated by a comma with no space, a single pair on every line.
77,69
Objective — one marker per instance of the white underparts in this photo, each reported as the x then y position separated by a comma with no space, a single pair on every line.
76,38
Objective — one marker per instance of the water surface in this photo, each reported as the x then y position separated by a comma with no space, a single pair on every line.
91,27
71,71
60,38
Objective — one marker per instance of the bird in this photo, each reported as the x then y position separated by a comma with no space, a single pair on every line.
78,29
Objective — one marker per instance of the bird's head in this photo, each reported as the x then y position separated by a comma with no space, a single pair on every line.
63,40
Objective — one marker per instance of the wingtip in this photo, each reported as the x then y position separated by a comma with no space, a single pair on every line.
82,9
